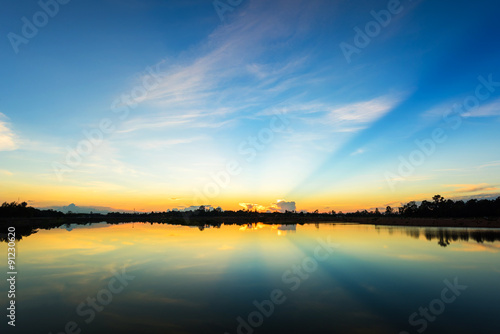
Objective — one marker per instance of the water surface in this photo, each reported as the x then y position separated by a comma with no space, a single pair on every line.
318,278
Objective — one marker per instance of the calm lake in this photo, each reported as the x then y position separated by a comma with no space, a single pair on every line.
312,278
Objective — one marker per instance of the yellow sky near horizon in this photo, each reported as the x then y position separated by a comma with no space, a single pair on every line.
345,199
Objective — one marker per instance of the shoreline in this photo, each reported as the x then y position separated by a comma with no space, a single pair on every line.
49,222
25,227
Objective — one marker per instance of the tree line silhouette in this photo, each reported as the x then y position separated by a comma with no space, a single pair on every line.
15,209
439,207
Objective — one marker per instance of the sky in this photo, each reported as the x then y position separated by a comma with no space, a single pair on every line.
275,105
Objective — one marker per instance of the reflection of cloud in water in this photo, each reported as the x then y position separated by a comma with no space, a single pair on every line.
282,229
287,229
477,248
292,227
253,227
153,298
92,248
70,227
419,257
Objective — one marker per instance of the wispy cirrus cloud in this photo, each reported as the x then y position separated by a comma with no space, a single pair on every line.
363,112
327,127
161,121
470,188
245,70
358,152
157,144
488,110
490,164
6,172
8,140
229,72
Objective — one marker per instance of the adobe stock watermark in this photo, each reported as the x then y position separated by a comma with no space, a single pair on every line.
223,6
248,150
31,27
363,37
420,320
92,305
453,118
292,279
93,138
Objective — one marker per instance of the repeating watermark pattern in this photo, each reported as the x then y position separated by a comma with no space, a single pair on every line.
93,138
248,150
223,6
373,28
11,273
453,118
31,27
292,279
88,308
420,320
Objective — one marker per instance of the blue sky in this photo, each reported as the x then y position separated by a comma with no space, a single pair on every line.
346,124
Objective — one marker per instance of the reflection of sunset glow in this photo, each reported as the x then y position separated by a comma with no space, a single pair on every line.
189,248
477,248
282,230
253,227
176,265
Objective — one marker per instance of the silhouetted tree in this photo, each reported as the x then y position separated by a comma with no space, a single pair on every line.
426,209
409,209
388,211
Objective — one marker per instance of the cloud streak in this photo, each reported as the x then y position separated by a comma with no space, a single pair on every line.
489,110
279,206
228,73
470,188
8,140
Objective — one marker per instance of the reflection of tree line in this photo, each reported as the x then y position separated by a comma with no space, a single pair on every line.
446,236
25,229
